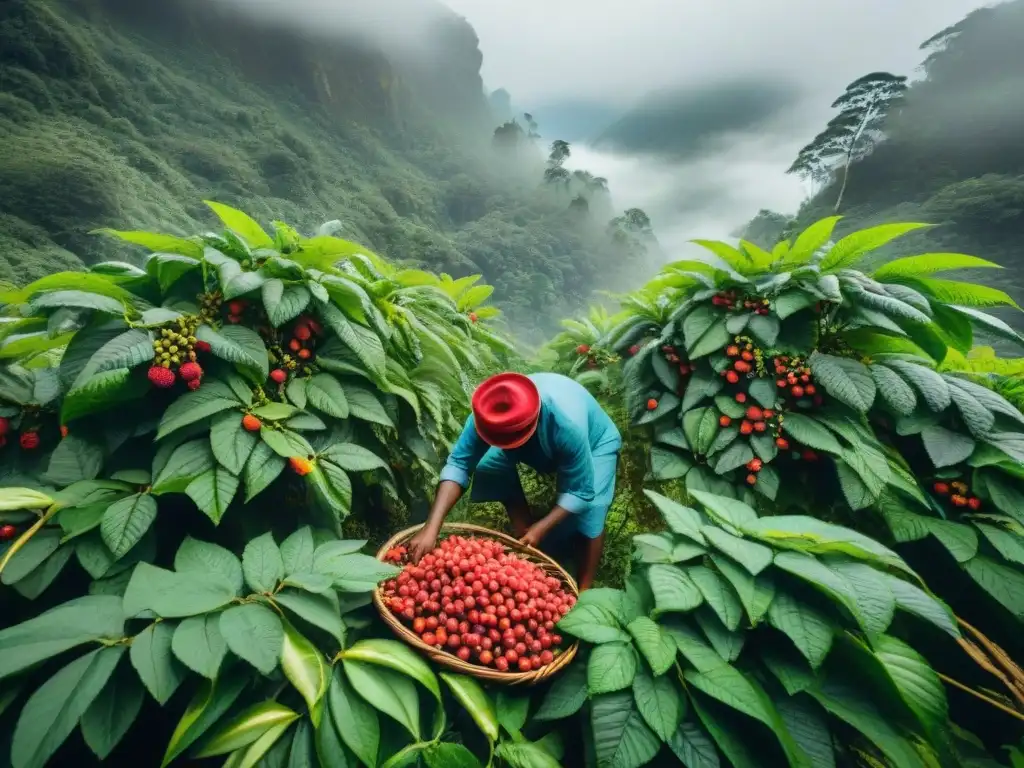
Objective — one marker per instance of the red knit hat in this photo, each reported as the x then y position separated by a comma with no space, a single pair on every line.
505,409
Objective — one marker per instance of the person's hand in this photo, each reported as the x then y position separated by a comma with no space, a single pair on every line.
422,543
532,537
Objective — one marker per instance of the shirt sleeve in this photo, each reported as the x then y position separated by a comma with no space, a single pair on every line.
575,471
468,451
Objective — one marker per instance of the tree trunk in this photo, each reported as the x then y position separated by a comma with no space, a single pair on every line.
849,155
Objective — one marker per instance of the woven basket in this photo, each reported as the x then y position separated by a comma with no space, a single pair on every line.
451,661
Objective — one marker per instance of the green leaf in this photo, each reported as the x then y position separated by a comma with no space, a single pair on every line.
31,556
963,294
186,462
199,645
735,456
53,711
852,248
593,624
807,245
305,668
101,392
126,521
727,643
807,723
398,657
512,711
946,448
525,754
894,390
284,303
755,592
701,427
810,630
354,572
364,343
82,620
621,738
1009,545
353,458
263,468
673,590
239,345
693,747
680,519
297,551
152,658
566,696
326,394
731,511
391,692
810,432
668,464
77,299
475,701
213,491
209,704
23,498
718,595
286,443
242,225
848,381
254,633
929,263
1004,584
201,557
231,443
656,646
751,555
211,398
245,728
154,242
913,600
765,329
319,610
611,667
112,713
875,603
442,755
175,595
659,701
930,385
74,459
275,411
363,404
916,681
262,563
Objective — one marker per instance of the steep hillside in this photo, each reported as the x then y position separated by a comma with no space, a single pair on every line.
126,114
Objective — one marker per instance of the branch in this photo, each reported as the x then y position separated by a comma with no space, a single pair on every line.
27,535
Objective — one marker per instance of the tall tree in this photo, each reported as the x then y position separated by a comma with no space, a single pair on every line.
854,132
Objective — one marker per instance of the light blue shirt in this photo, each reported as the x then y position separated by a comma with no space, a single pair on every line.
572,429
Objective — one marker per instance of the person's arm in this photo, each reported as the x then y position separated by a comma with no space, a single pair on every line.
465,455
590,559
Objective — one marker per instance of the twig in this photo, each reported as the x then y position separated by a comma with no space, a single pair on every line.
1011,675
27,535
983,697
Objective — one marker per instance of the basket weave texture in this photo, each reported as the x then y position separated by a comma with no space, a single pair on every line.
452,662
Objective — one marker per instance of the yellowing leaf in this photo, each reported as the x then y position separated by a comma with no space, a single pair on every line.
246,727
242,225
929,263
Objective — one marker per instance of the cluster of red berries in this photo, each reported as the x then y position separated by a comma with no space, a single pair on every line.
725,299
795,379
480,603
177,347
303,331
236,308
757,419
7,532
191,374
758,306
672,355
744,364
959,494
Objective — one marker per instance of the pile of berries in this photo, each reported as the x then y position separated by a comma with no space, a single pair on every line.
758,420
480,603
672,356
725,299
958,493
794,378
176,348
746,360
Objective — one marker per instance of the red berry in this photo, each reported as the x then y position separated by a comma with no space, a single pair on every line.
29,440
236,307
797,391
501,663
634,349
732,350
524,664
724,420
419,626
7,532
465,653
234,319
958,500
294,345
63,430
751,479
305,354
746,428
974,502
754,465
782,443
760,426
809,455
472,317
429,638
941,488
546,657
301,466
732,377
161,377
278,376
741,397
754,413
652,404
810,389
582,349
302,332
203,346
742,366
5,425
251,423
195,384
190,371
780,383
748,356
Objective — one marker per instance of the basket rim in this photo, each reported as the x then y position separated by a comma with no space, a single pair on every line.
450,661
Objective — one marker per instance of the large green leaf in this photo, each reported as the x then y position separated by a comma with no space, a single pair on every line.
592,623
611,667
809,629
660,703
199,645
755,592
673,590
566,696
917,682
112,713
356,721
693,747
175,595
1003,583
209,704
325,393
657,647
262,564
254,633
126,521
397,656
284,302
318,609
242,225
211,398
847,380
213,491
202,557
239,345
718,595
101,392
53,711
621,737
305,667
77,299
929,263
852,248
946,448
156,665
392,693
232,444
245,728
263,467
185,463
930,385
364,343
475,700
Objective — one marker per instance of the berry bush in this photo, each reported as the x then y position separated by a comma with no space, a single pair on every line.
790,393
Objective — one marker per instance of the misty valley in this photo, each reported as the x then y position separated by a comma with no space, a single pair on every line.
256,257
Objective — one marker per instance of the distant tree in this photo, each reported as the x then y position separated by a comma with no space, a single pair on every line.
591,183
556,174
580,205
560,152
531,126
766,229
854,132
508,135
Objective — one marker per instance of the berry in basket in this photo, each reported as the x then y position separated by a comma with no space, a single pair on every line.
476,600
